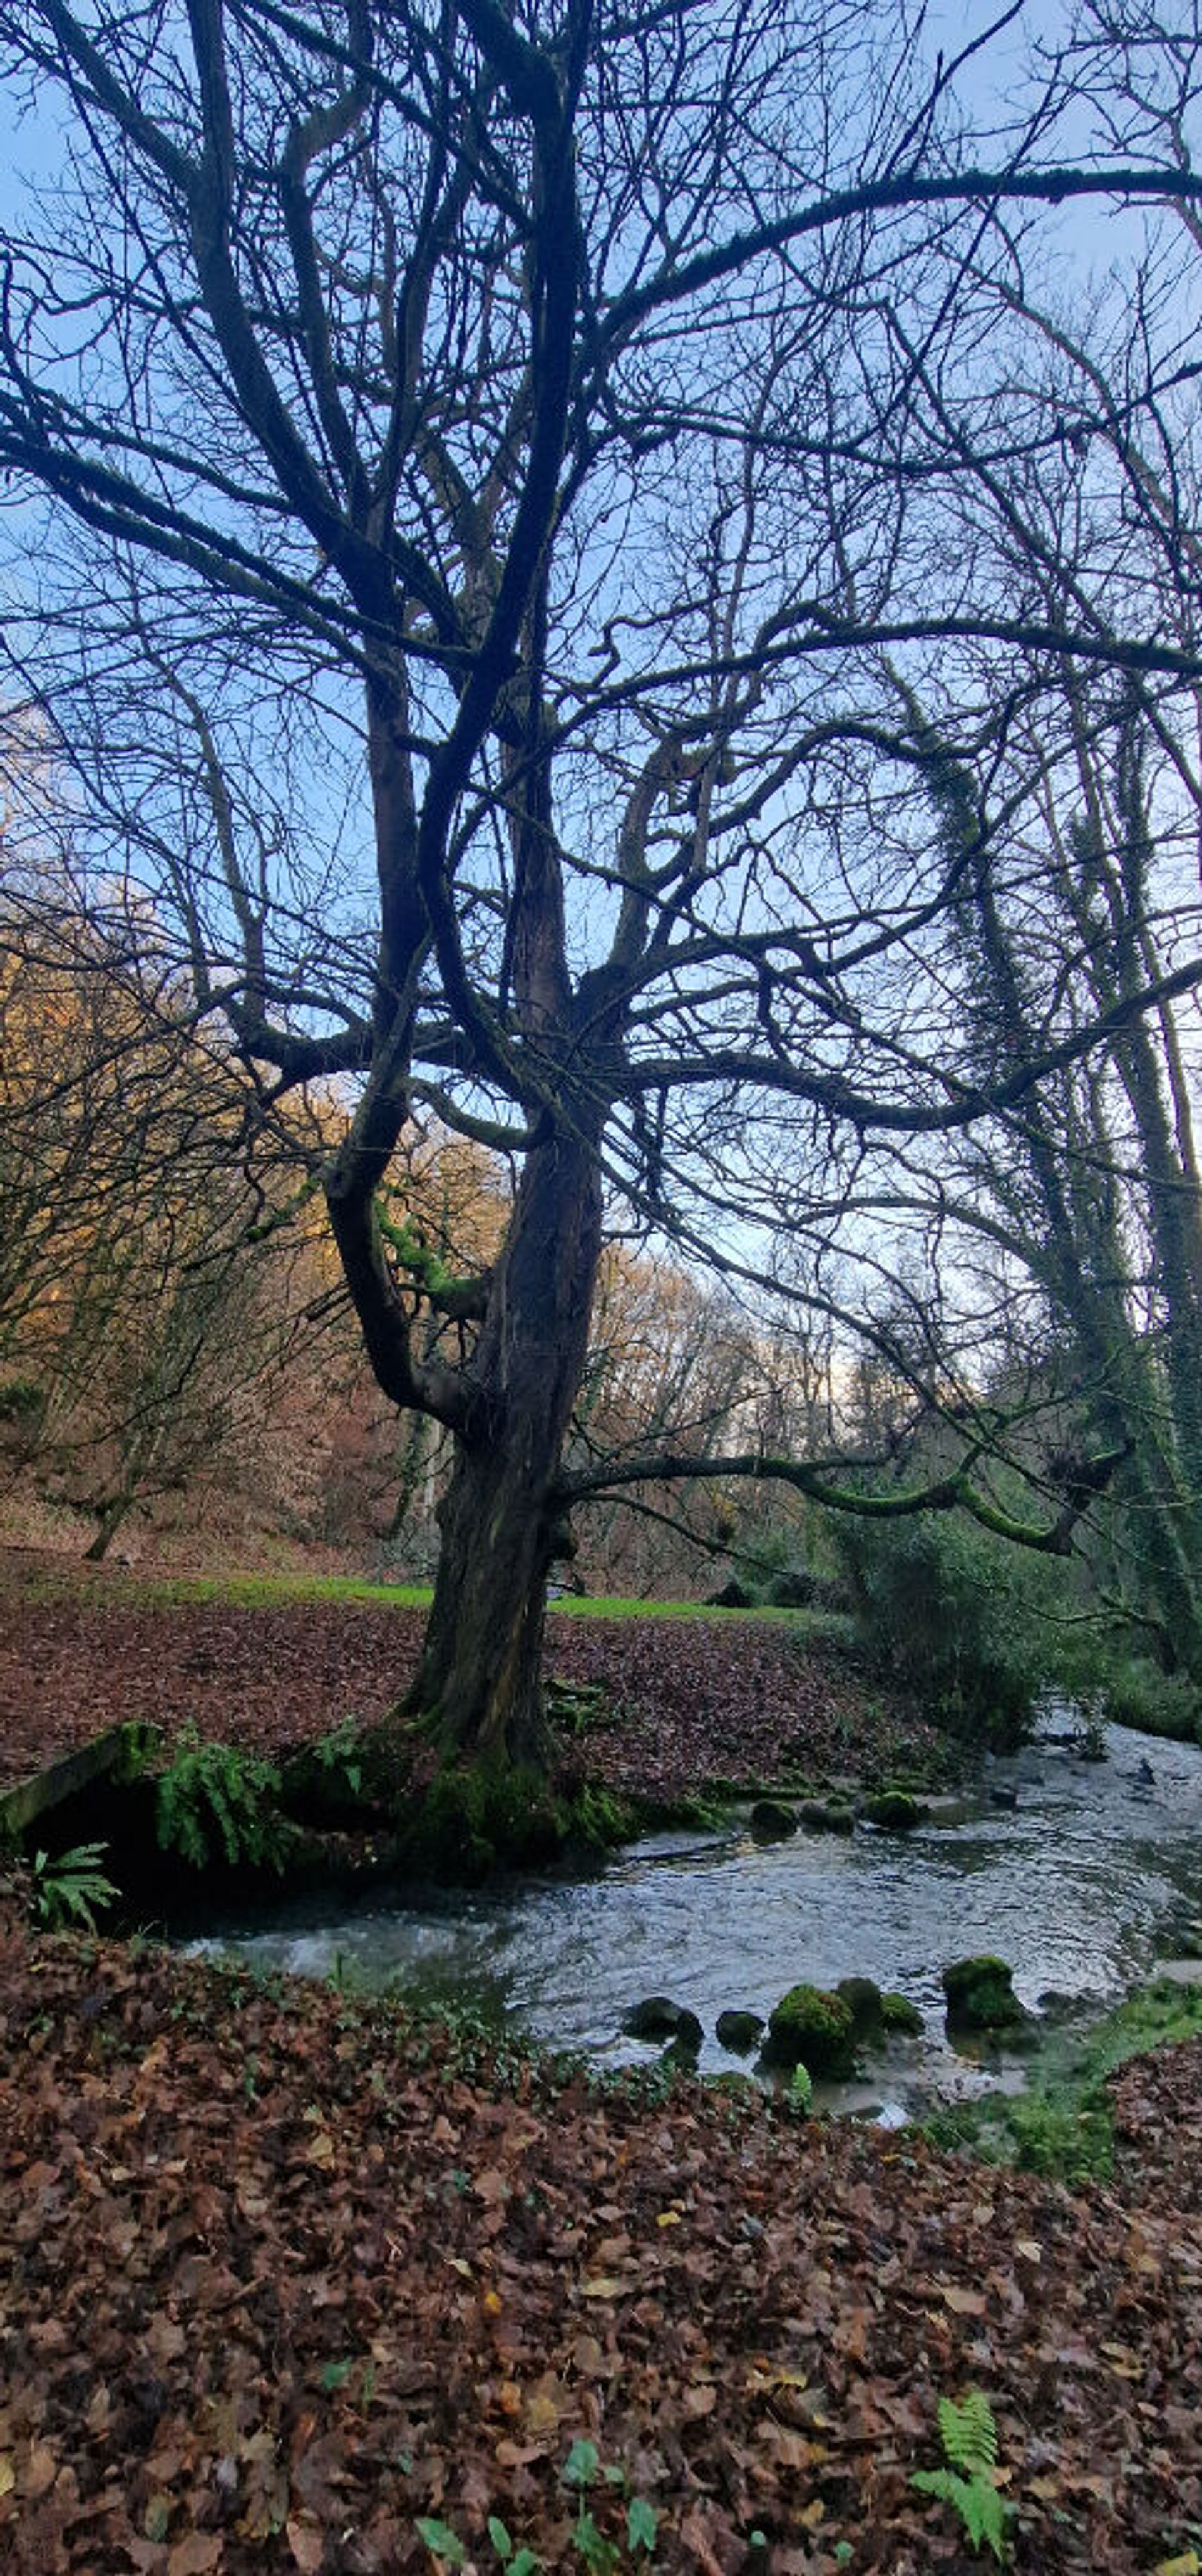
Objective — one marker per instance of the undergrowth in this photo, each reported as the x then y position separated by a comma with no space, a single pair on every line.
1063,2126
214,1798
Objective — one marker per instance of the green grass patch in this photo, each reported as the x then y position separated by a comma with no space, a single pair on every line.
274,1591
612,1605
1063,2125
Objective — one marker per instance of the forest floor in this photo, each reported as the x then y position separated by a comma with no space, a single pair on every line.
689,1703
290,2273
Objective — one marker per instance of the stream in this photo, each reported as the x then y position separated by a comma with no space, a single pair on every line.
1073,1885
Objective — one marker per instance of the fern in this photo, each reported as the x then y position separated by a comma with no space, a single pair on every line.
210,1794
969,2436
968,2433
69,1888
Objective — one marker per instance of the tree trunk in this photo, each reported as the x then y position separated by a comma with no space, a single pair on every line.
479,1683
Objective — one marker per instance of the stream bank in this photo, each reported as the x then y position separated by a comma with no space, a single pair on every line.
1079,1873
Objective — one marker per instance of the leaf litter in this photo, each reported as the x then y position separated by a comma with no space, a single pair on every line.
288,2271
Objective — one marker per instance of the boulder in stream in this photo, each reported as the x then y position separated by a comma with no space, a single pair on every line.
894,1811
739,2031
813,2028
901,2017
771,1821
980,1995
657,2017
827,1816
863,1998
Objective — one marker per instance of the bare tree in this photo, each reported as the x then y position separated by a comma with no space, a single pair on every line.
488,455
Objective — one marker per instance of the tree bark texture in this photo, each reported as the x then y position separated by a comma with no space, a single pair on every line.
479,1683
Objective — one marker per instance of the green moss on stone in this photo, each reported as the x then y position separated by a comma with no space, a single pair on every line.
812,2027
899,2014
862,1995
894,1811
980,1995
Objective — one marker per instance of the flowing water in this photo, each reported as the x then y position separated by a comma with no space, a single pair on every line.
1072,1885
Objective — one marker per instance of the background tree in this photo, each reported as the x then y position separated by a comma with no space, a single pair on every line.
489,454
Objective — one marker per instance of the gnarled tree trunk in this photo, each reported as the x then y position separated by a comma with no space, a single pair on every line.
479,1683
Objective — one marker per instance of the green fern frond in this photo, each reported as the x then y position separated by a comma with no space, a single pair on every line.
70,1888
969,2433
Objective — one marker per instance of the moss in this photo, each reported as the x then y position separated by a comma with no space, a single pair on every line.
828,1816
812,2027
900,2015
862,1995
894,1811
600,1817
690,1811
980,1995
1064,2126
475,1817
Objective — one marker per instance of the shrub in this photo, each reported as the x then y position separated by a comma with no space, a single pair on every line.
951,1612
1134,1692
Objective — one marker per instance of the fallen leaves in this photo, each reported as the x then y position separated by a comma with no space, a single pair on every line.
691,1700
234,2359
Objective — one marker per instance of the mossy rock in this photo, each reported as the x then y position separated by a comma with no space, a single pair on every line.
827,1816
599,1818
771,1821
980,1995
862,1995
900,2016
657,2017
894,1811
739,2031
814,2028
475,1817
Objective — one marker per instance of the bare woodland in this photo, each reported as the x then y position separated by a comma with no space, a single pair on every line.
616,590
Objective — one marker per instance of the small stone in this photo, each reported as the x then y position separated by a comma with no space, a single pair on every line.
739,2031
894,1811
771,1821
813,2028
657,2017
900,2015
827,1816
980,1995
862,1995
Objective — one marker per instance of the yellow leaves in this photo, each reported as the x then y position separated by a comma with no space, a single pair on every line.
542,2411
322,2152
8,2475
608,2285
668,2217
1188,2564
